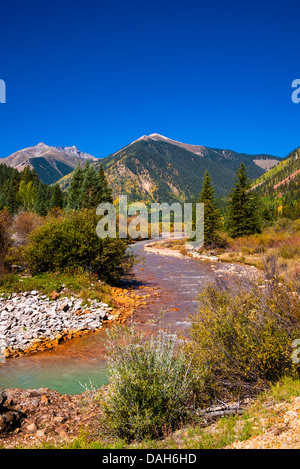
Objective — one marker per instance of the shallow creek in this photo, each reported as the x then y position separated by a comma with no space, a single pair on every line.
171,285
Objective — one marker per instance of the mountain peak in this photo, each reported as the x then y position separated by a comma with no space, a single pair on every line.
155,167
51,163
40,146
158,137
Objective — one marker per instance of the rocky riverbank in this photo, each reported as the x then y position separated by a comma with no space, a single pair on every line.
31,417
30,321
237,269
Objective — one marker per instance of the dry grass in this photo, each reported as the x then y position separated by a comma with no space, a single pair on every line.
281,241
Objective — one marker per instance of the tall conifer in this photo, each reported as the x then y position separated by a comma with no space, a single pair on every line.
211,213
57,197
106,190
41,201
243,207
90,195
75,189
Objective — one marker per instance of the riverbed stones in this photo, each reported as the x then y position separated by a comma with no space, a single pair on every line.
29,320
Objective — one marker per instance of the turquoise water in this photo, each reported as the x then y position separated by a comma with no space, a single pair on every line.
66,368
66,379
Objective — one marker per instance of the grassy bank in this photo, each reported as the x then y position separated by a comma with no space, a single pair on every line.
282,245
80,284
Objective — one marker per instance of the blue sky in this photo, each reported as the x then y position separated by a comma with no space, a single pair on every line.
100,74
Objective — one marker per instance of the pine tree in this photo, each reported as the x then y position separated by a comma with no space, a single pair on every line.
11,200
26,175
88,188
41,201
243,207
57,197
13,187
211,213
106,195
75,189
91,191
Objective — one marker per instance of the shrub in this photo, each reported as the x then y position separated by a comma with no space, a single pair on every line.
283,224
71,243
243,335
149,390
24,224
5,224
289,252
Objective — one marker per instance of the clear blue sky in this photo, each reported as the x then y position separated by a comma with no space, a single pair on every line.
100,74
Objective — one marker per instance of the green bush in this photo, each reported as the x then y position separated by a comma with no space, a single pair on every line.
289,251
71,243
243,334
150,384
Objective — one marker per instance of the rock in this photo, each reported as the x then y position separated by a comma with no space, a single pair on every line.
44,399
2,423
59,419
9,421
66,416
64,307
30,428
3,398
103,315
54,295
32,322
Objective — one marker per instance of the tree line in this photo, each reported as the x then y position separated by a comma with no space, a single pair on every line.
241,216
25,191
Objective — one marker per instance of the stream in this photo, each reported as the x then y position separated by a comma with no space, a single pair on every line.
172,284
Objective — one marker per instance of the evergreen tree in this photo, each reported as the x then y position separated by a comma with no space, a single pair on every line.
41,201
34,177
57,197
75,189
243,207
211,213
91,191
26,175
106,195
13,187
11,200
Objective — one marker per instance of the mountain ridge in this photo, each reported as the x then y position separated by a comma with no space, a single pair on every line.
155,167
50,163
280,187
151,168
